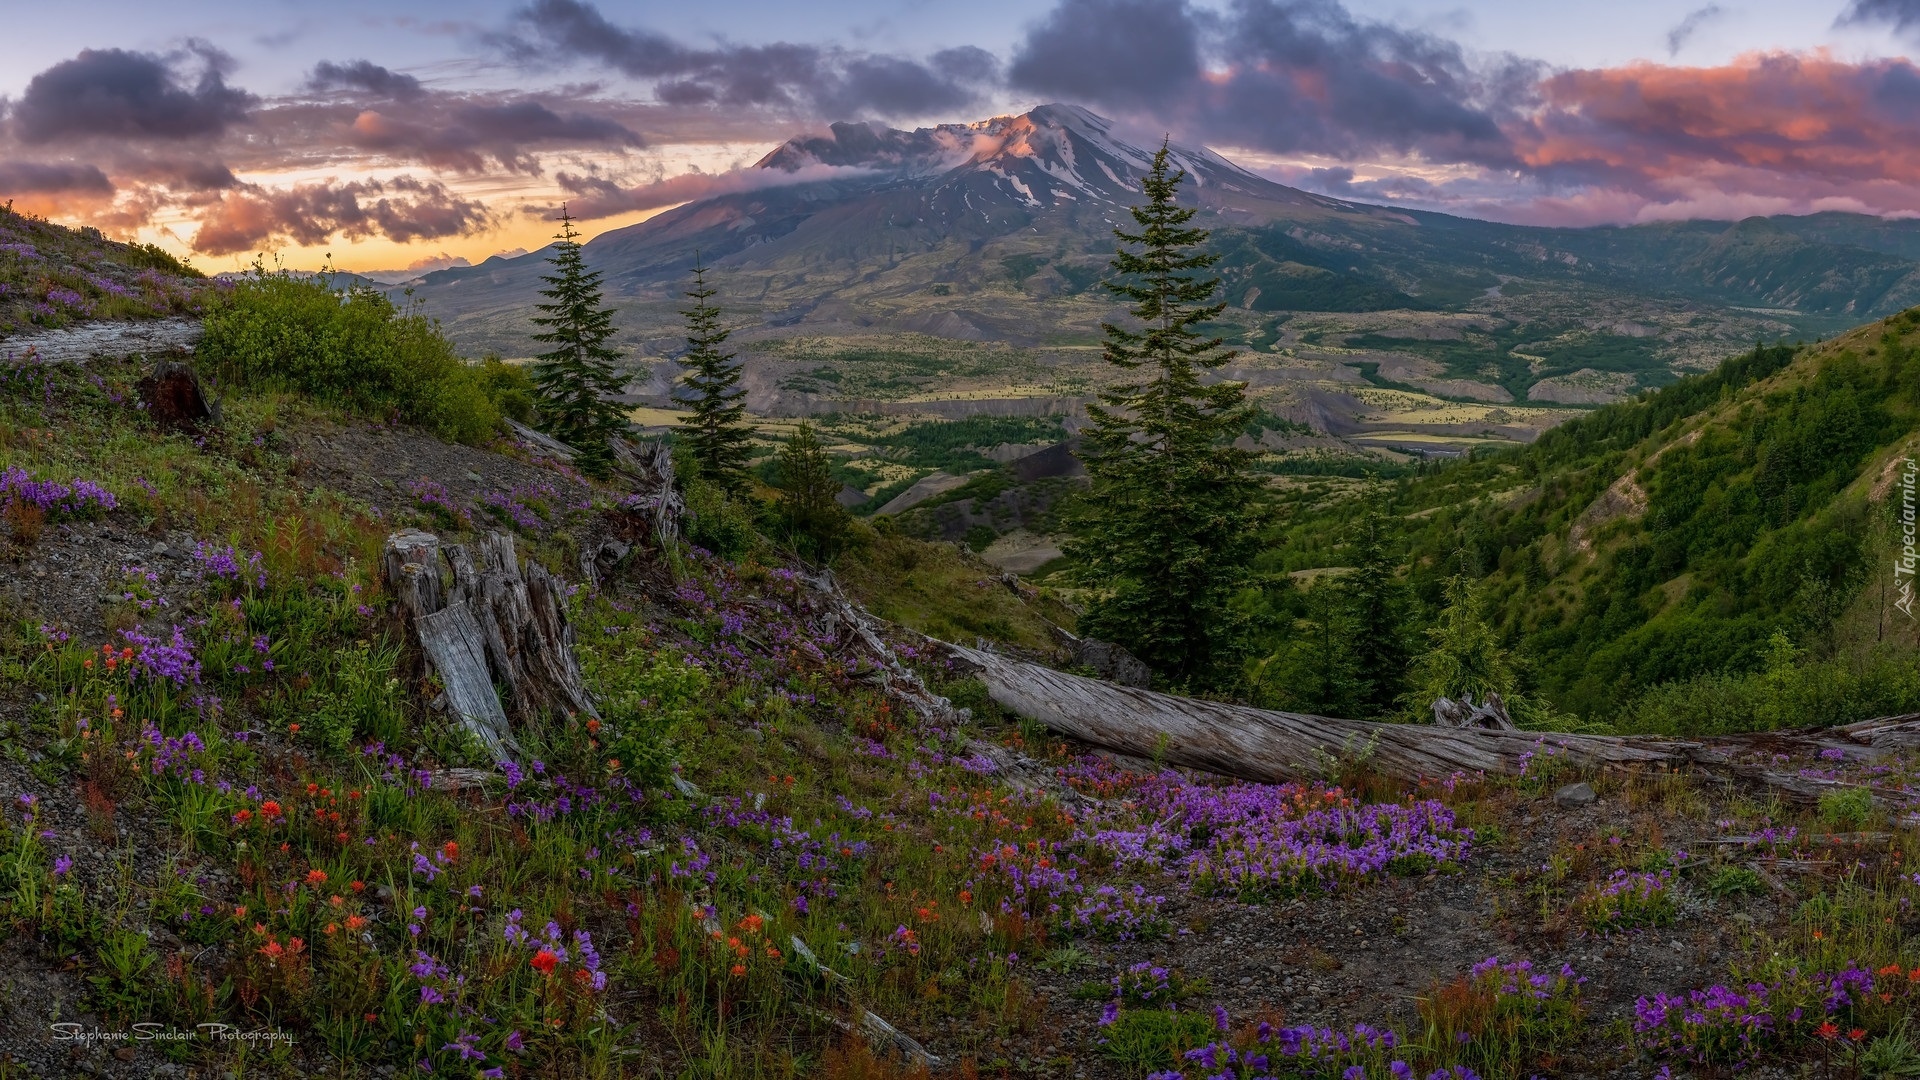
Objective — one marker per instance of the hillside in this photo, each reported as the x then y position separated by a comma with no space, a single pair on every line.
53,277
240,833
1669,538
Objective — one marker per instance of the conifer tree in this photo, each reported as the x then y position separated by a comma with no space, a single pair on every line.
716,433
575,382
815,519
1375,601
1173,514
1464,655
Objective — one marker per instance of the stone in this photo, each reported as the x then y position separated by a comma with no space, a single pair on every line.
1576,795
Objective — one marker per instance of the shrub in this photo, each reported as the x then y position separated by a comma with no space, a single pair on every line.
1846,808
354,350
1155,1038
1731,881
718,523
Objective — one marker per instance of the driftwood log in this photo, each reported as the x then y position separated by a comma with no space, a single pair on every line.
485,621
1274,747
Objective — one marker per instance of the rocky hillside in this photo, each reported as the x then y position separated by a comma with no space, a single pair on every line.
239,831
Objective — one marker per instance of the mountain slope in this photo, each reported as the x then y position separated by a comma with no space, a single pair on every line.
1669,537
1023,207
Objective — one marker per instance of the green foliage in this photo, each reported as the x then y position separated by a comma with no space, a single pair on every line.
1376,606
955,445
815,521
1173,513
1731,881
1887,1057
1653,611
124,984
1464,655
1846,808
1791,691
575,382
716,435
1313,670
1155,1039
509,386
646,699
353,350
717,521
364,701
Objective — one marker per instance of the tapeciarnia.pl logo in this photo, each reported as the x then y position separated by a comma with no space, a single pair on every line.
1904,560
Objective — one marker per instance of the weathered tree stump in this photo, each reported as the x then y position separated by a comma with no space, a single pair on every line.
173,396
496,623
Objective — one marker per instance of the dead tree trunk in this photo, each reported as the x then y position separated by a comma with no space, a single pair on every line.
496,624
1269,746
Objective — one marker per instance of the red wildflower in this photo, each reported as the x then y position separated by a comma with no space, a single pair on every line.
1826,1030
451,850
270,808
545,961
316,877
739,970
1857,1034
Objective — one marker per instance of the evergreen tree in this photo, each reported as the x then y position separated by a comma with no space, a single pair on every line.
1464,656
808,495
1173,514
1375,603
716,434
1313,670
576,381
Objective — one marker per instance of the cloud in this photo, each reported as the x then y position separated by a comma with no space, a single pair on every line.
402,209
36,178
1902,15
1800,118
820,81
1285,76
597,197
364,75
130,95
463,136
1682,33
1111,51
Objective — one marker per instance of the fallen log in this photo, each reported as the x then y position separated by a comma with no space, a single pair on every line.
1276,747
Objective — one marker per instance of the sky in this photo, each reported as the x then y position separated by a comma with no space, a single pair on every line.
393,136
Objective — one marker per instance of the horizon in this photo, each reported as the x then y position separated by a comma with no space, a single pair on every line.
454,134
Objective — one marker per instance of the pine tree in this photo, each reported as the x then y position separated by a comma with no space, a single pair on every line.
1464,655
575,383
808,495
716,433
1375,602
1173,514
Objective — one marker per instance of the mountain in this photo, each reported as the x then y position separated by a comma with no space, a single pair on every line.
1001,231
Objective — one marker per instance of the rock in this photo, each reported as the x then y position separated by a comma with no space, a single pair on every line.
1576,795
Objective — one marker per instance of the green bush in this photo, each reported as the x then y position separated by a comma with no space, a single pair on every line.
1790,692
720,524
1846,808
357,351
1731,881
